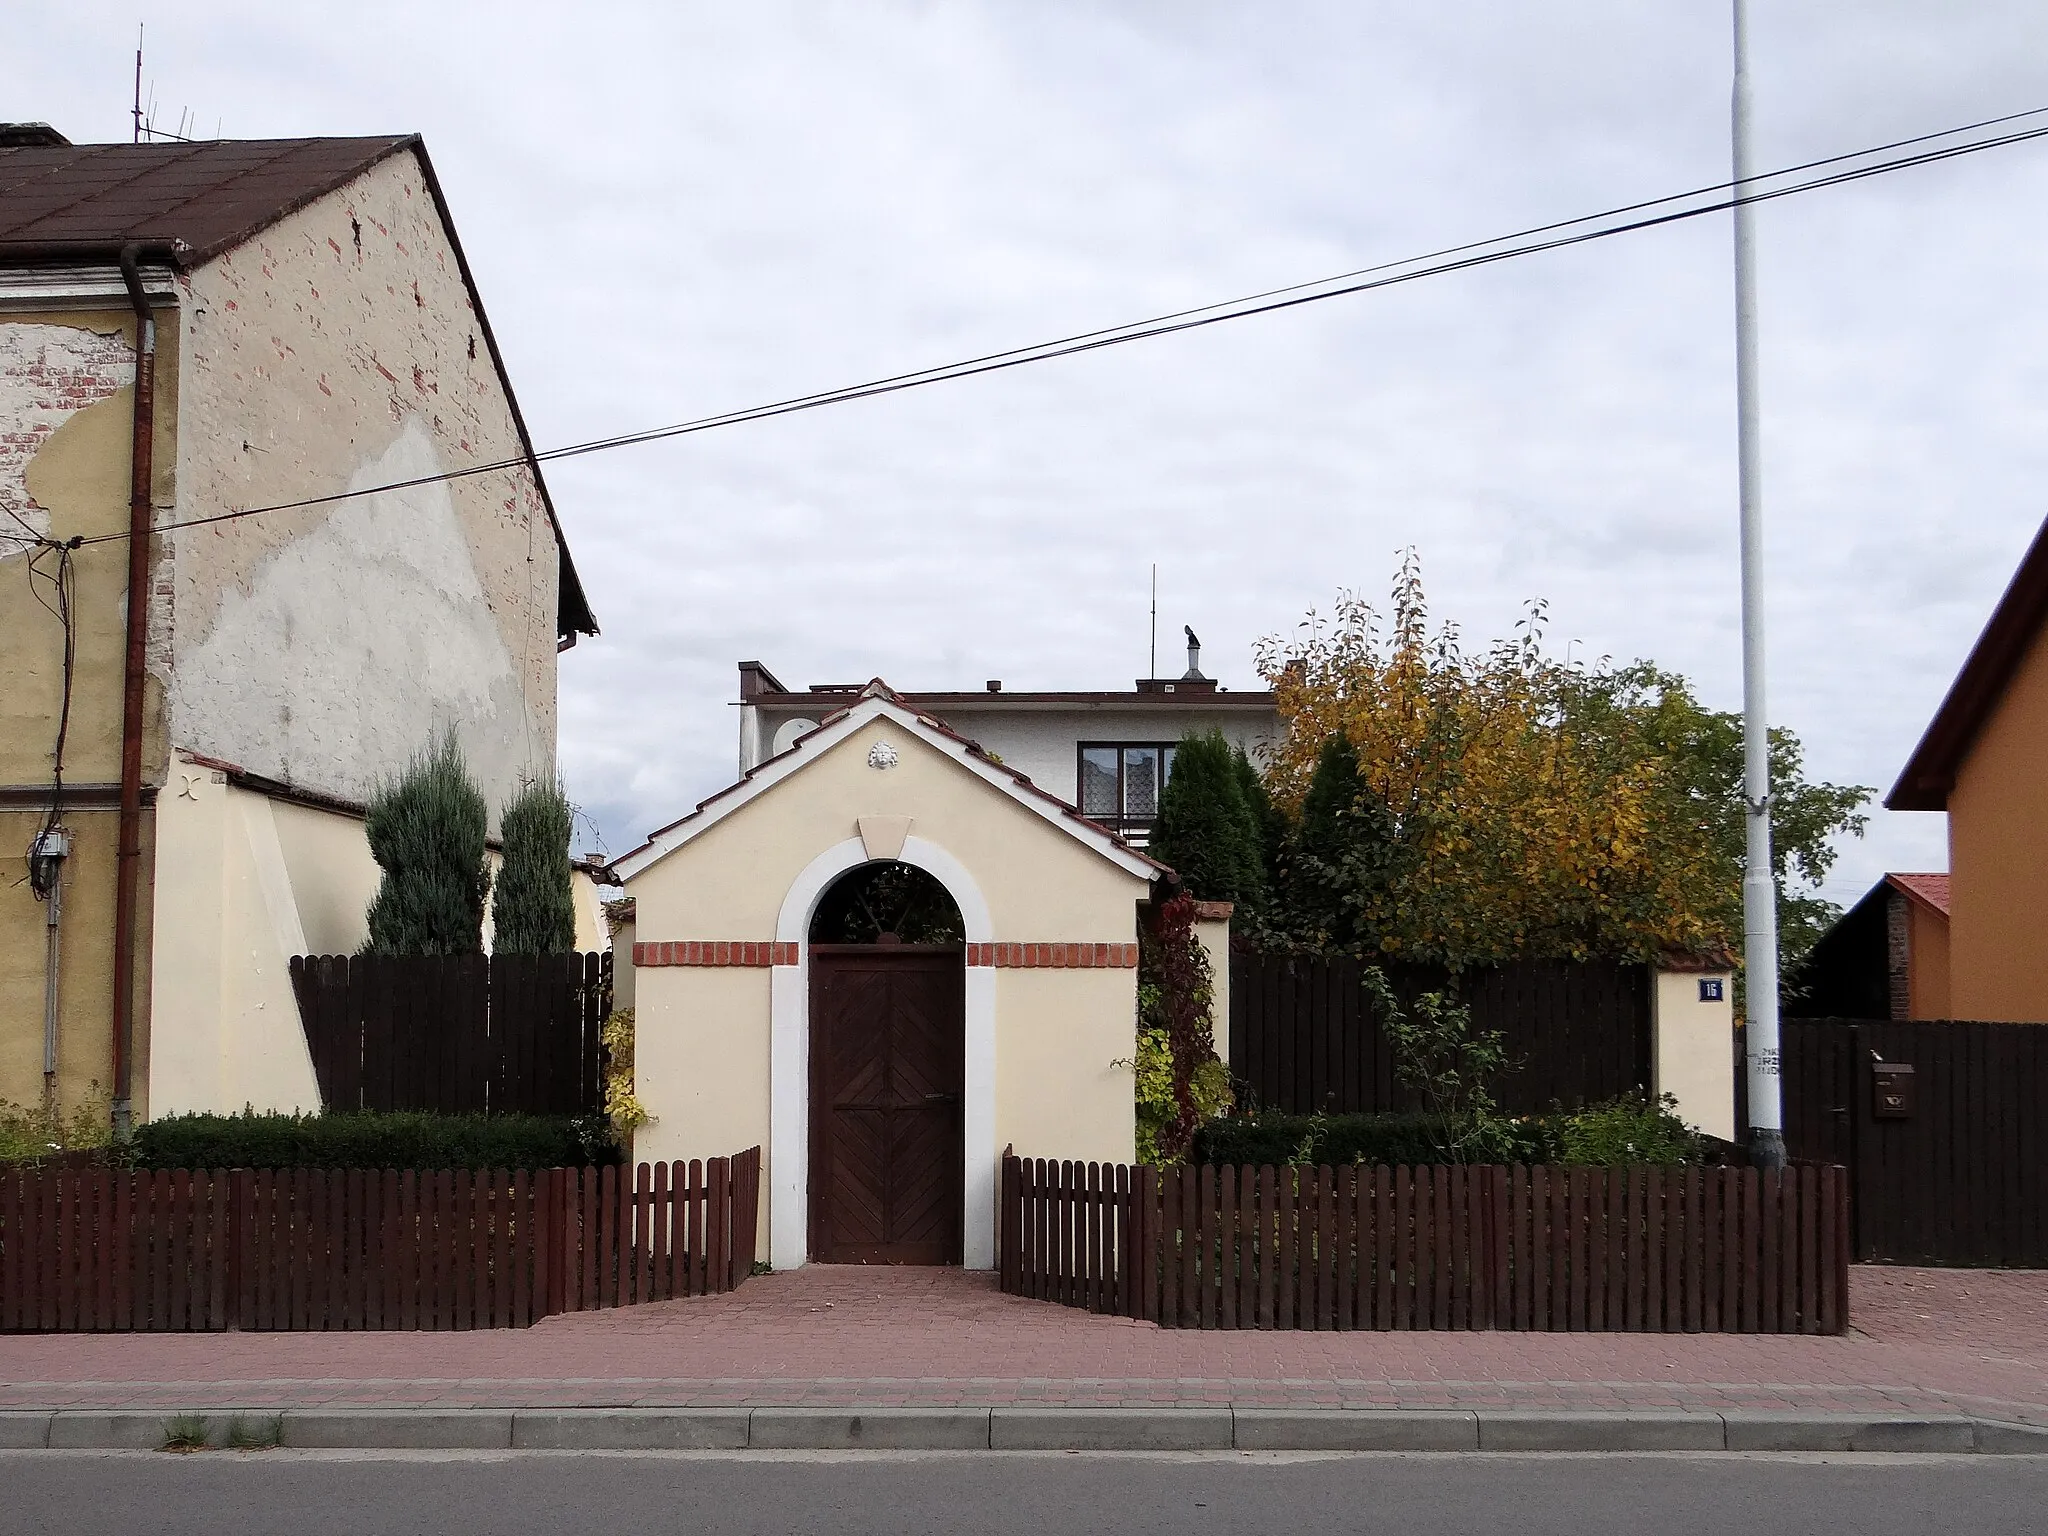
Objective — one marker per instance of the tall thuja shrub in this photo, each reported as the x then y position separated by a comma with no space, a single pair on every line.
1206,832
1267,819
427,831
534,910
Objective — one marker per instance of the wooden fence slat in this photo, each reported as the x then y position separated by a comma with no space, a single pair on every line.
1348,1234
711,1208
1326,1247
1169,1247
1457,1205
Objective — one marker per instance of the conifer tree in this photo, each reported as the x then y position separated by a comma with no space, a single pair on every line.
427,831
1342,854
1266,816
533,910
1206,832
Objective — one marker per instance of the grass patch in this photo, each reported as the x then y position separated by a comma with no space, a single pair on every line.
259,1434
184,1432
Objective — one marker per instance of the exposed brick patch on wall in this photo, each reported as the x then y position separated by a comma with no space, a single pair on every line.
48,374
714,952
1081,957
750,952
1898,918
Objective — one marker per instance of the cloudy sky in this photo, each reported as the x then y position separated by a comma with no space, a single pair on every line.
675,209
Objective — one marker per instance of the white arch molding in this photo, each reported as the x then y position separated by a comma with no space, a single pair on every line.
789,1057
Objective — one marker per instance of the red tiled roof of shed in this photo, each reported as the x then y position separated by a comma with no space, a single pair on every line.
1931,889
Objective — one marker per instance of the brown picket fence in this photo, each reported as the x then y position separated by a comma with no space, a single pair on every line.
1636,1249
350,1249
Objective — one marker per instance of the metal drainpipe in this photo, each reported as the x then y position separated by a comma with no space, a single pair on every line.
52,918
128,849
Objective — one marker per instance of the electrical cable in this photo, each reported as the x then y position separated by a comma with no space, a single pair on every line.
62,605
1466,256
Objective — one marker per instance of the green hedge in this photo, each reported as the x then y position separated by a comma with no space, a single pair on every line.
365,1139
1623,1131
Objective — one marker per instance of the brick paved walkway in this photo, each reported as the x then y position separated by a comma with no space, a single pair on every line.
1924,1341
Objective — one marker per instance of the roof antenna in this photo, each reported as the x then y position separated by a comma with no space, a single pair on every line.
1152,658
138,83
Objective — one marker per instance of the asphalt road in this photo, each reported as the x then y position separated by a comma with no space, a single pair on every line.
282,1493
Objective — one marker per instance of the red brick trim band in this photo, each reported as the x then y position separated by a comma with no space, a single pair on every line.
714,952
1122,957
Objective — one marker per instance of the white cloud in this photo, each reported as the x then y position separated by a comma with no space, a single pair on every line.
680,209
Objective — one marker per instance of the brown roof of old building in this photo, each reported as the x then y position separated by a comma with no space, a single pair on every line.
185,203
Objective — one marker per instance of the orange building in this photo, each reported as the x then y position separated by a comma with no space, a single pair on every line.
1984,760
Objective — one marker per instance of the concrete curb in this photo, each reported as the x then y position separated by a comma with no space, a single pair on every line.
1029,1429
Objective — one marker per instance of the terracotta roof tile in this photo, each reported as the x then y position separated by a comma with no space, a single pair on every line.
1932,889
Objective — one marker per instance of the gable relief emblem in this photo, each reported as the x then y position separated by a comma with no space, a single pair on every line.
881,755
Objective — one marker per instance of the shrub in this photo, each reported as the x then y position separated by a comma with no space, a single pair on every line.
533,911
1207,832
1623,1131
369,1139
1630,1129
427,831
1176,998
622,1107
31,1133
1154,1071
1394,1139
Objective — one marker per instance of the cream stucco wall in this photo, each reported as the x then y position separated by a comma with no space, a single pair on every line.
1064,1043
705,1037
257,882
730,880
1214,936
339,349
700,1062
1694,1048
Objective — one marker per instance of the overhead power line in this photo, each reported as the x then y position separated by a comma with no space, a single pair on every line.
1834,170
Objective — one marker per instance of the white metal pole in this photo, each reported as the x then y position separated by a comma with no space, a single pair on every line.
1759,885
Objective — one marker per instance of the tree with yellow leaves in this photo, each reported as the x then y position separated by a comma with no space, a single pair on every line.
1458,809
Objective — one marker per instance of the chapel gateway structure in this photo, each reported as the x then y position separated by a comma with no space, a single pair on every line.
884,1078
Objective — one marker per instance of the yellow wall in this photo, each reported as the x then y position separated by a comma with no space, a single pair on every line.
730,881
700,1062
226,1025
703,1035
72,478
1998,858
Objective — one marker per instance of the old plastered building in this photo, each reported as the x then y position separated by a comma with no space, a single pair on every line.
308,327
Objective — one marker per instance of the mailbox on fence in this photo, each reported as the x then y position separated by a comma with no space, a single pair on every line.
1891,1090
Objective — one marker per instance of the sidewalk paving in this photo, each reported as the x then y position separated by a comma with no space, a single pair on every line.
1923,1342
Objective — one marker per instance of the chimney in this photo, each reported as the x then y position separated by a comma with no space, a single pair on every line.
1194,671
